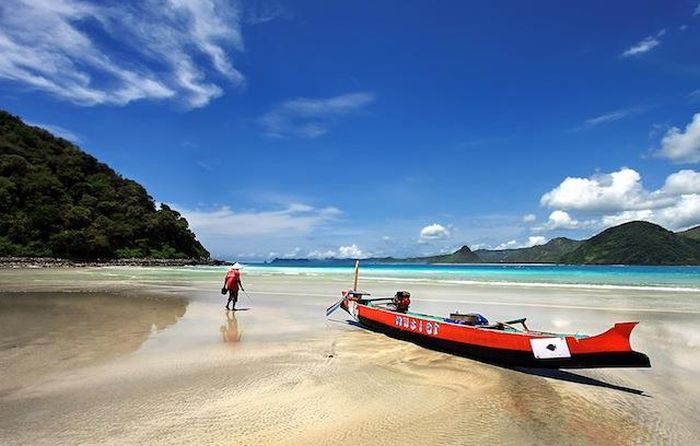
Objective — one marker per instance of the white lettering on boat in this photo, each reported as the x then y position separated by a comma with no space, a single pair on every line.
411,324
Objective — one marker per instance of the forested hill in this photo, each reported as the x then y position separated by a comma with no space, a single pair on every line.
58,201
636,243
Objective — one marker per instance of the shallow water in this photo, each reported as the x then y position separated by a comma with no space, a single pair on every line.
150,356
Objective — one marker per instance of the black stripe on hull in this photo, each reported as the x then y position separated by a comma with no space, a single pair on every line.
512,358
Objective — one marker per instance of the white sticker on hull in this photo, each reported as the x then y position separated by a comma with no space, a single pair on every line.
547,348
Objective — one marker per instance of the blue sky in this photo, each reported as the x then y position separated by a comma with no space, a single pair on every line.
374,128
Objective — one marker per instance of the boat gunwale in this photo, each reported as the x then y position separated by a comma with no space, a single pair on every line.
532,334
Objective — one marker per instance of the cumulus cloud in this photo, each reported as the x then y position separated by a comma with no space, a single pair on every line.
511,244
682,182
168,49
311,117
618,197
514,244
559,220
536,240
682,146
434,232
529,218
602,192
343,252
645,45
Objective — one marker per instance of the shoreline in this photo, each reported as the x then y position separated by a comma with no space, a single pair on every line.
52,262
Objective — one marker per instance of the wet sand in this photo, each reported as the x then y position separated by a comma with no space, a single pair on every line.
125,356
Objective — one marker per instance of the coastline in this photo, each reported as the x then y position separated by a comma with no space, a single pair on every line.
52,262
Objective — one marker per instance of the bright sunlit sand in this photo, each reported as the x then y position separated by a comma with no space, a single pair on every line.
150,356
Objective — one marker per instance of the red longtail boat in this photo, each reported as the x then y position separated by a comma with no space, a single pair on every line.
502,343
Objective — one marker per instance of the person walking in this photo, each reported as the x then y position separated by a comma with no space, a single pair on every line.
232,281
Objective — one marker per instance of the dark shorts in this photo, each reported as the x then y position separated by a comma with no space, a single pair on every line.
233,295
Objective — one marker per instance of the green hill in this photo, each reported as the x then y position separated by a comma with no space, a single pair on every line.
636,243
693,233
462,255
58,201
550,252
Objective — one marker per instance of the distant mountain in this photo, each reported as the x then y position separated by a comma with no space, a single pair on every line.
462,255
693,233
636,243
550,252
58,201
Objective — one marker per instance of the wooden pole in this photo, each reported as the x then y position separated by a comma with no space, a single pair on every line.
357,274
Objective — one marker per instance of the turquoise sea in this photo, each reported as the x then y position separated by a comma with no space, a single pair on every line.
676,277
671,278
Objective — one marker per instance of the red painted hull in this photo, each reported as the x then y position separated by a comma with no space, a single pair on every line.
522,348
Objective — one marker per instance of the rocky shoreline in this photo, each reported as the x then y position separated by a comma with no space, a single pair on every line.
50,262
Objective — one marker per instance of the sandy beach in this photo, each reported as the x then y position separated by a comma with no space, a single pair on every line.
150,356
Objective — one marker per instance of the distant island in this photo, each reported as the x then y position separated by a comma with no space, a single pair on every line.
633,243
58,202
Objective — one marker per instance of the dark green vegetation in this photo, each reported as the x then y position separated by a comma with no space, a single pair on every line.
58,201
462,255
550,252
637,243
693,233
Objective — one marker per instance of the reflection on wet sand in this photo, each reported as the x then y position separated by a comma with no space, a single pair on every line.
229,330
45,333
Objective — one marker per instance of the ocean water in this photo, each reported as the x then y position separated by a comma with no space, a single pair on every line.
669,278
615,276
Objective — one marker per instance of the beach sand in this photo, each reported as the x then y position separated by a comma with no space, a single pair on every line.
126,356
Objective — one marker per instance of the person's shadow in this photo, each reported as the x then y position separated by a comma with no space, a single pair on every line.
229,331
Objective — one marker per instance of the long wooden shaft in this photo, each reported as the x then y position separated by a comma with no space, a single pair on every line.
357,274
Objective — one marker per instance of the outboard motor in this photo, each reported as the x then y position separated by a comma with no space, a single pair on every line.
402,300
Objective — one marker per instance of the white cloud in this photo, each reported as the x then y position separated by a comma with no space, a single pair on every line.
529,218
536,240
434,232
311,117
682,182
513,244
682,147
697,10
560,220
684,214
351,251
626,216
224,223
645,45
57,130
59,47
619,197
603,192
343,252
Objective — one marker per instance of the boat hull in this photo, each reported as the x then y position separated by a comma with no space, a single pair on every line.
609,349
513,358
